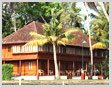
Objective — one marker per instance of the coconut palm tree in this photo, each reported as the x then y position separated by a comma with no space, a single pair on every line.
88,27
102,6
93,6
100,28
54,34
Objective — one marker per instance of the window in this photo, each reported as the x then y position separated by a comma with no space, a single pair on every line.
78,51
70,50
85,52
102,54
95,53
40,48
30,65
61,49
24,49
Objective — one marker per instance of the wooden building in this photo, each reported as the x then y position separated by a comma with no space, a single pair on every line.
38,61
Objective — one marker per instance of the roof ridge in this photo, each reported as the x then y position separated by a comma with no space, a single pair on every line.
35,26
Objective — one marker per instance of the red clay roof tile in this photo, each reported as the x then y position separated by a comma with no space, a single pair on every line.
22,35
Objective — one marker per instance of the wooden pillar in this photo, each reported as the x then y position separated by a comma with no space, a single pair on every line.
3,62
37,74
59,66
48,67
86,67
94,70
101,70
73,68
20,67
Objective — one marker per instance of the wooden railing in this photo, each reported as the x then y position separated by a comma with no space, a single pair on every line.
60,49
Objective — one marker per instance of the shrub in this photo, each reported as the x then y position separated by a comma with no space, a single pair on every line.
7,70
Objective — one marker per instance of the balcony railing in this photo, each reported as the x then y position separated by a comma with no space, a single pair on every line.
24,49
59,49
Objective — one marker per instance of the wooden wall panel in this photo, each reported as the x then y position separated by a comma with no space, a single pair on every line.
24,67
8,55
15,68
22,57
5,52
26,70
25,56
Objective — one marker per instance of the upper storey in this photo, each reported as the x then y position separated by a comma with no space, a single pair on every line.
13,45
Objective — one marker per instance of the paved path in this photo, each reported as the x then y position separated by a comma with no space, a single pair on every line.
57,82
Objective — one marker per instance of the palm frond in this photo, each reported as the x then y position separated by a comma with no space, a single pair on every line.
92,5
104,10
65,40
59,42
91,37
39,42
59,12
59,26
99,45
69,31
36,35
46,26
53,38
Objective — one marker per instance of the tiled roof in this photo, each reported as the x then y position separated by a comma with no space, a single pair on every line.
81,40
22,35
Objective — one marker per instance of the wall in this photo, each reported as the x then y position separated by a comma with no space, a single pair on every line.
6,51
9,55
25,68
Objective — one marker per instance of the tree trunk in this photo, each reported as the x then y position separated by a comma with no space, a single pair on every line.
12,7
14,21
104,11
88,20
55,62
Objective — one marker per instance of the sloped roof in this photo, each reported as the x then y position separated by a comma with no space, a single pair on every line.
22,35
79,40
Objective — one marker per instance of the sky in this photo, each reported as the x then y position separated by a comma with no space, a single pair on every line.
83,11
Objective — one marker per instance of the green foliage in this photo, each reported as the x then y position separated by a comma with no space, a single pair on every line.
106,5
100,28
25,12
30,11
53,32
105,65
100,31
6,21
7,25
72,15
99,45
7,71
